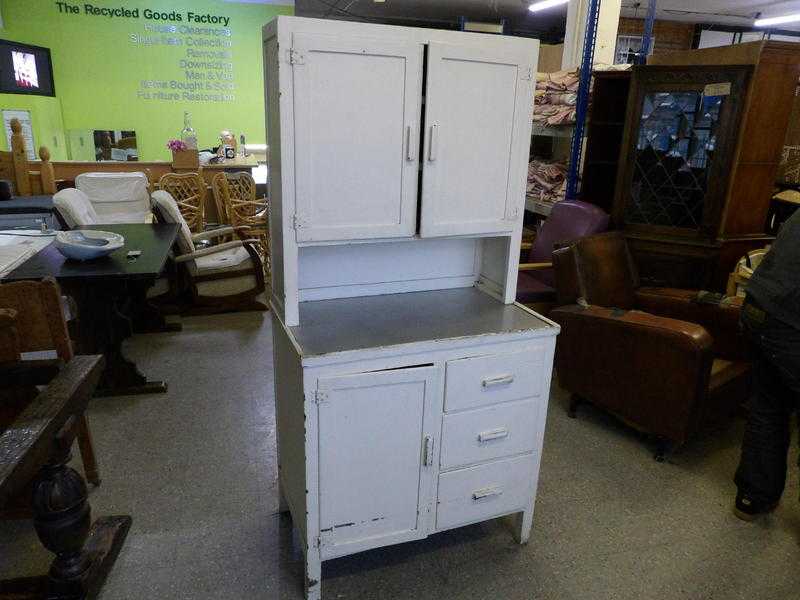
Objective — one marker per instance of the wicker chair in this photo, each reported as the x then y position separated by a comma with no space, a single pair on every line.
189,191
235,193
34,322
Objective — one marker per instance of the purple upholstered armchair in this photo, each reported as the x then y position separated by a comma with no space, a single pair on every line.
569,220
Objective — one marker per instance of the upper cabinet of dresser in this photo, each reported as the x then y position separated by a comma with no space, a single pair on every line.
393,141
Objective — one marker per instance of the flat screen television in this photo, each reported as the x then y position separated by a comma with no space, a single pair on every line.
25,69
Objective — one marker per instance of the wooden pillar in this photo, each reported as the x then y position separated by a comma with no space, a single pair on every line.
47,175
20,158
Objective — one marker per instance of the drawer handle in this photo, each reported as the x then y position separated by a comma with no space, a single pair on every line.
493,434
489,492
500,380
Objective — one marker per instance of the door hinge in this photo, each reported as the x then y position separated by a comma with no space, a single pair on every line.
295,57
512,214
527,74
298,222
320,397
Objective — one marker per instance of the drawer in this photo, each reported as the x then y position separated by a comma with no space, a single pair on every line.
483,492
483,380
487,433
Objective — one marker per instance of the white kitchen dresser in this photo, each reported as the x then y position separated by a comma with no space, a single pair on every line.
411,391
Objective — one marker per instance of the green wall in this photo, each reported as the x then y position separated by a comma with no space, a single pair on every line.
100,62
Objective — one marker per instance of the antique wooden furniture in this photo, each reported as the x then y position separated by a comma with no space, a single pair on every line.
221,278
569,220
411,391
117,197
34,454
691,208
39,326
29,178
662,359
235,196
113,293
189,191
604,129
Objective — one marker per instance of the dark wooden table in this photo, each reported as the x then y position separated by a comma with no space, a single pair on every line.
34,455
111,294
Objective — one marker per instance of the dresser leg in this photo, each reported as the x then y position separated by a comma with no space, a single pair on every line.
522,525
313,574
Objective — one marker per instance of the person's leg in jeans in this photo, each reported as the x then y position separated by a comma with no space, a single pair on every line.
761,475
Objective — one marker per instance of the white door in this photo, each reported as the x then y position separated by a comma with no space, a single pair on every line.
478,111
377,450
357,106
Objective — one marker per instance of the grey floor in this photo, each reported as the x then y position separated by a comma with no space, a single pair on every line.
196,470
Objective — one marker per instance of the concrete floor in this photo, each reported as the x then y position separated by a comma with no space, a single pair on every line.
196,470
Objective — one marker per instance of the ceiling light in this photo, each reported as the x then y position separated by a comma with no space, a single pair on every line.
537,6
777,20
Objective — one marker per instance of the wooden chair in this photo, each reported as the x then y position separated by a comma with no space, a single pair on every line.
34,322
189,192
237,193
222,278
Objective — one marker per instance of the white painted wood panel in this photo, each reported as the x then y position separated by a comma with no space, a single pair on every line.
377,457
357,106
484,380
474,105
484,491
386,267
487,433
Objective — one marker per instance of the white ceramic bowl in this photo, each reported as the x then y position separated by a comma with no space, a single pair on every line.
86,244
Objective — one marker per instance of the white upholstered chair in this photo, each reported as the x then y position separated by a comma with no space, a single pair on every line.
221,278
74,208
117,197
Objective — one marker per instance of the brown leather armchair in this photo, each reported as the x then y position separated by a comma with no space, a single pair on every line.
663,360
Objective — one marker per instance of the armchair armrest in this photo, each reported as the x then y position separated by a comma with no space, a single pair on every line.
720,320
535,266
651,371
221,231
210,250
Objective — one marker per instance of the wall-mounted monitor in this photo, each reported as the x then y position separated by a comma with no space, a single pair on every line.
25,69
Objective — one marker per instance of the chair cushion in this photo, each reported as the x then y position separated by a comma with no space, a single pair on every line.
530,289
75,207
232,259
226,287
170,212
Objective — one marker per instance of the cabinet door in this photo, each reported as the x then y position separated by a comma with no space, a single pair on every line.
377,450
356,119
478,111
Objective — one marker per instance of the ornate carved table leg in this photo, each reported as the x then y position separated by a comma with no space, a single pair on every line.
84,552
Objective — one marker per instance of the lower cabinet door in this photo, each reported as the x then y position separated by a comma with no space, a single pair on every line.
484,491
377,454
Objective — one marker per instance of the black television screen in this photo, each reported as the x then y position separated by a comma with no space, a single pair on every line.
25,69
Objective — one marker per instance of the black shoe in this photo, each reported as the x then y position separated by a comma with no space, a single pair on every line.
748,510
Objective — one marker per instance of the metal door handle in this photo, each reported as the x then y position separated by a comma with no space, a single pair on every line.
409,142
500,380
492,434
434,132
427,458
484,493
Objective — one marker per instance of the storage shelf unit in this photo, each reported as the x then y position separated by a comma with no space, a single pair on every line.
411,392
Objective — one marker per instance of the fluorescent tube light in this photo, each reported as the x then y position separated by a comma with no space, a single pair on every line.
777,20
537,6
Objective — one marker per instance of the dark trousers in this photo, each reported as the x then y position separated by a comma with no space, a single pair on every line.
775,350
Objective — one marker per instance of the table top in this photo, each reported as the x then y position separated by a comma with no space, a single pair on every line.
249,162
154,240
328,326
